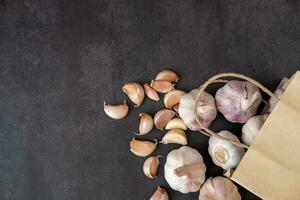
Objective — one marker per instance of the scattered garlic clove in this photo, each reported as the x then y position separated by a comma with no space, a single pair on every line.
146,123
167,75
150,92
175,136
117,111
162,117
176,123
185,170
251,128
205,109
175,108
219,188
142,148
238,100
162,86
173,97
135,92
160,194
223,153
150,166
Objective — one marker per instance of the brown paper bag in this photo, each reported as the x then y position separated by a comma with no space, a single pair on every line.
271,167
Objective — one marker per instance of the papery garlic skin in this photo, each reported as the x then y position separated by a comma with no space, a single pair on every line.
160,194
150,166
219,188
185,156
238,100
251,128
116,111
205,109
223,153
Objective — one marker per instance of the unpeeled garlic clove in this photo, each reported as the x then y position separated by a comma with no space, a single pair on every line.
150,166
238,100
219,188
167,75
223,153
142,148
175,108
175,136
116,111
160,194
146,123
173,97
176,123
162,86
150,92
162,117
135,92
251,128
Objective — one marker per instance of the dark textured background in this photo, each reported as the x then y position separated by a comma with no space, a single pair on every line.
60,59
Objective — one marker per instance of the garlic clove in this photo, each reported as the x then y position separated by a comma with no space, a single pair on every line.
251,128
117,111
162,117
146,123
173,97
175,136
150,166
150,92
135,92
223,153
160,194
175,108
162,86
176,123
142,148
167,75
238,100
219,188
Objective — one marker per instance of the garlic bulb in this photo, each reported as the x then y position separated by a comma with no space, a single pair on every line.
205,109
185,169
219,188
238,100
160,194
251,128
135,92
117,111
150,166
223,153
146,123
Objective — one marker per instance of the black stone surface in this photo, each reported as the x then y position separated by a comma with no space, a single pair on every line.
60,59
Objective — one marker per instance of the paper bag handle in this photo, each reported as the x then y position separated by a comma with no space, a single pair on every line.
217,79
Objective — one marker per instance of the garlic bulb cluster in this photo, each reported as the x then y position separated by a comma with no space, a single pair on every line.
160,194
223,153
251,128
219,188
205,109
238,100
185,170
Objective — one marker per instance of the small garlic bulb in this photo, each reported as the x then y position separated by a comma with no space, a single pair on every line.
205,109
223,153
219,188
238,100
160,194
185,170
251,128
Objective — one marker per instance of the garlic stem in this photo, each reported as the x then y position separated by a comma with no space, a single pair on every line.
187,169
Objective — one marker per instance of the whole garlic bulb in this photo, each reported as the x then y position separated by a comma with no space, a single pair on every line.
223,153
251,128
205,109
219,188
238,100
185,169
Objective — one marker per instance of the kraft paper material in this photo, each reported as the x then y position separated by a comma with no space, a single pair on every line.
271,167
